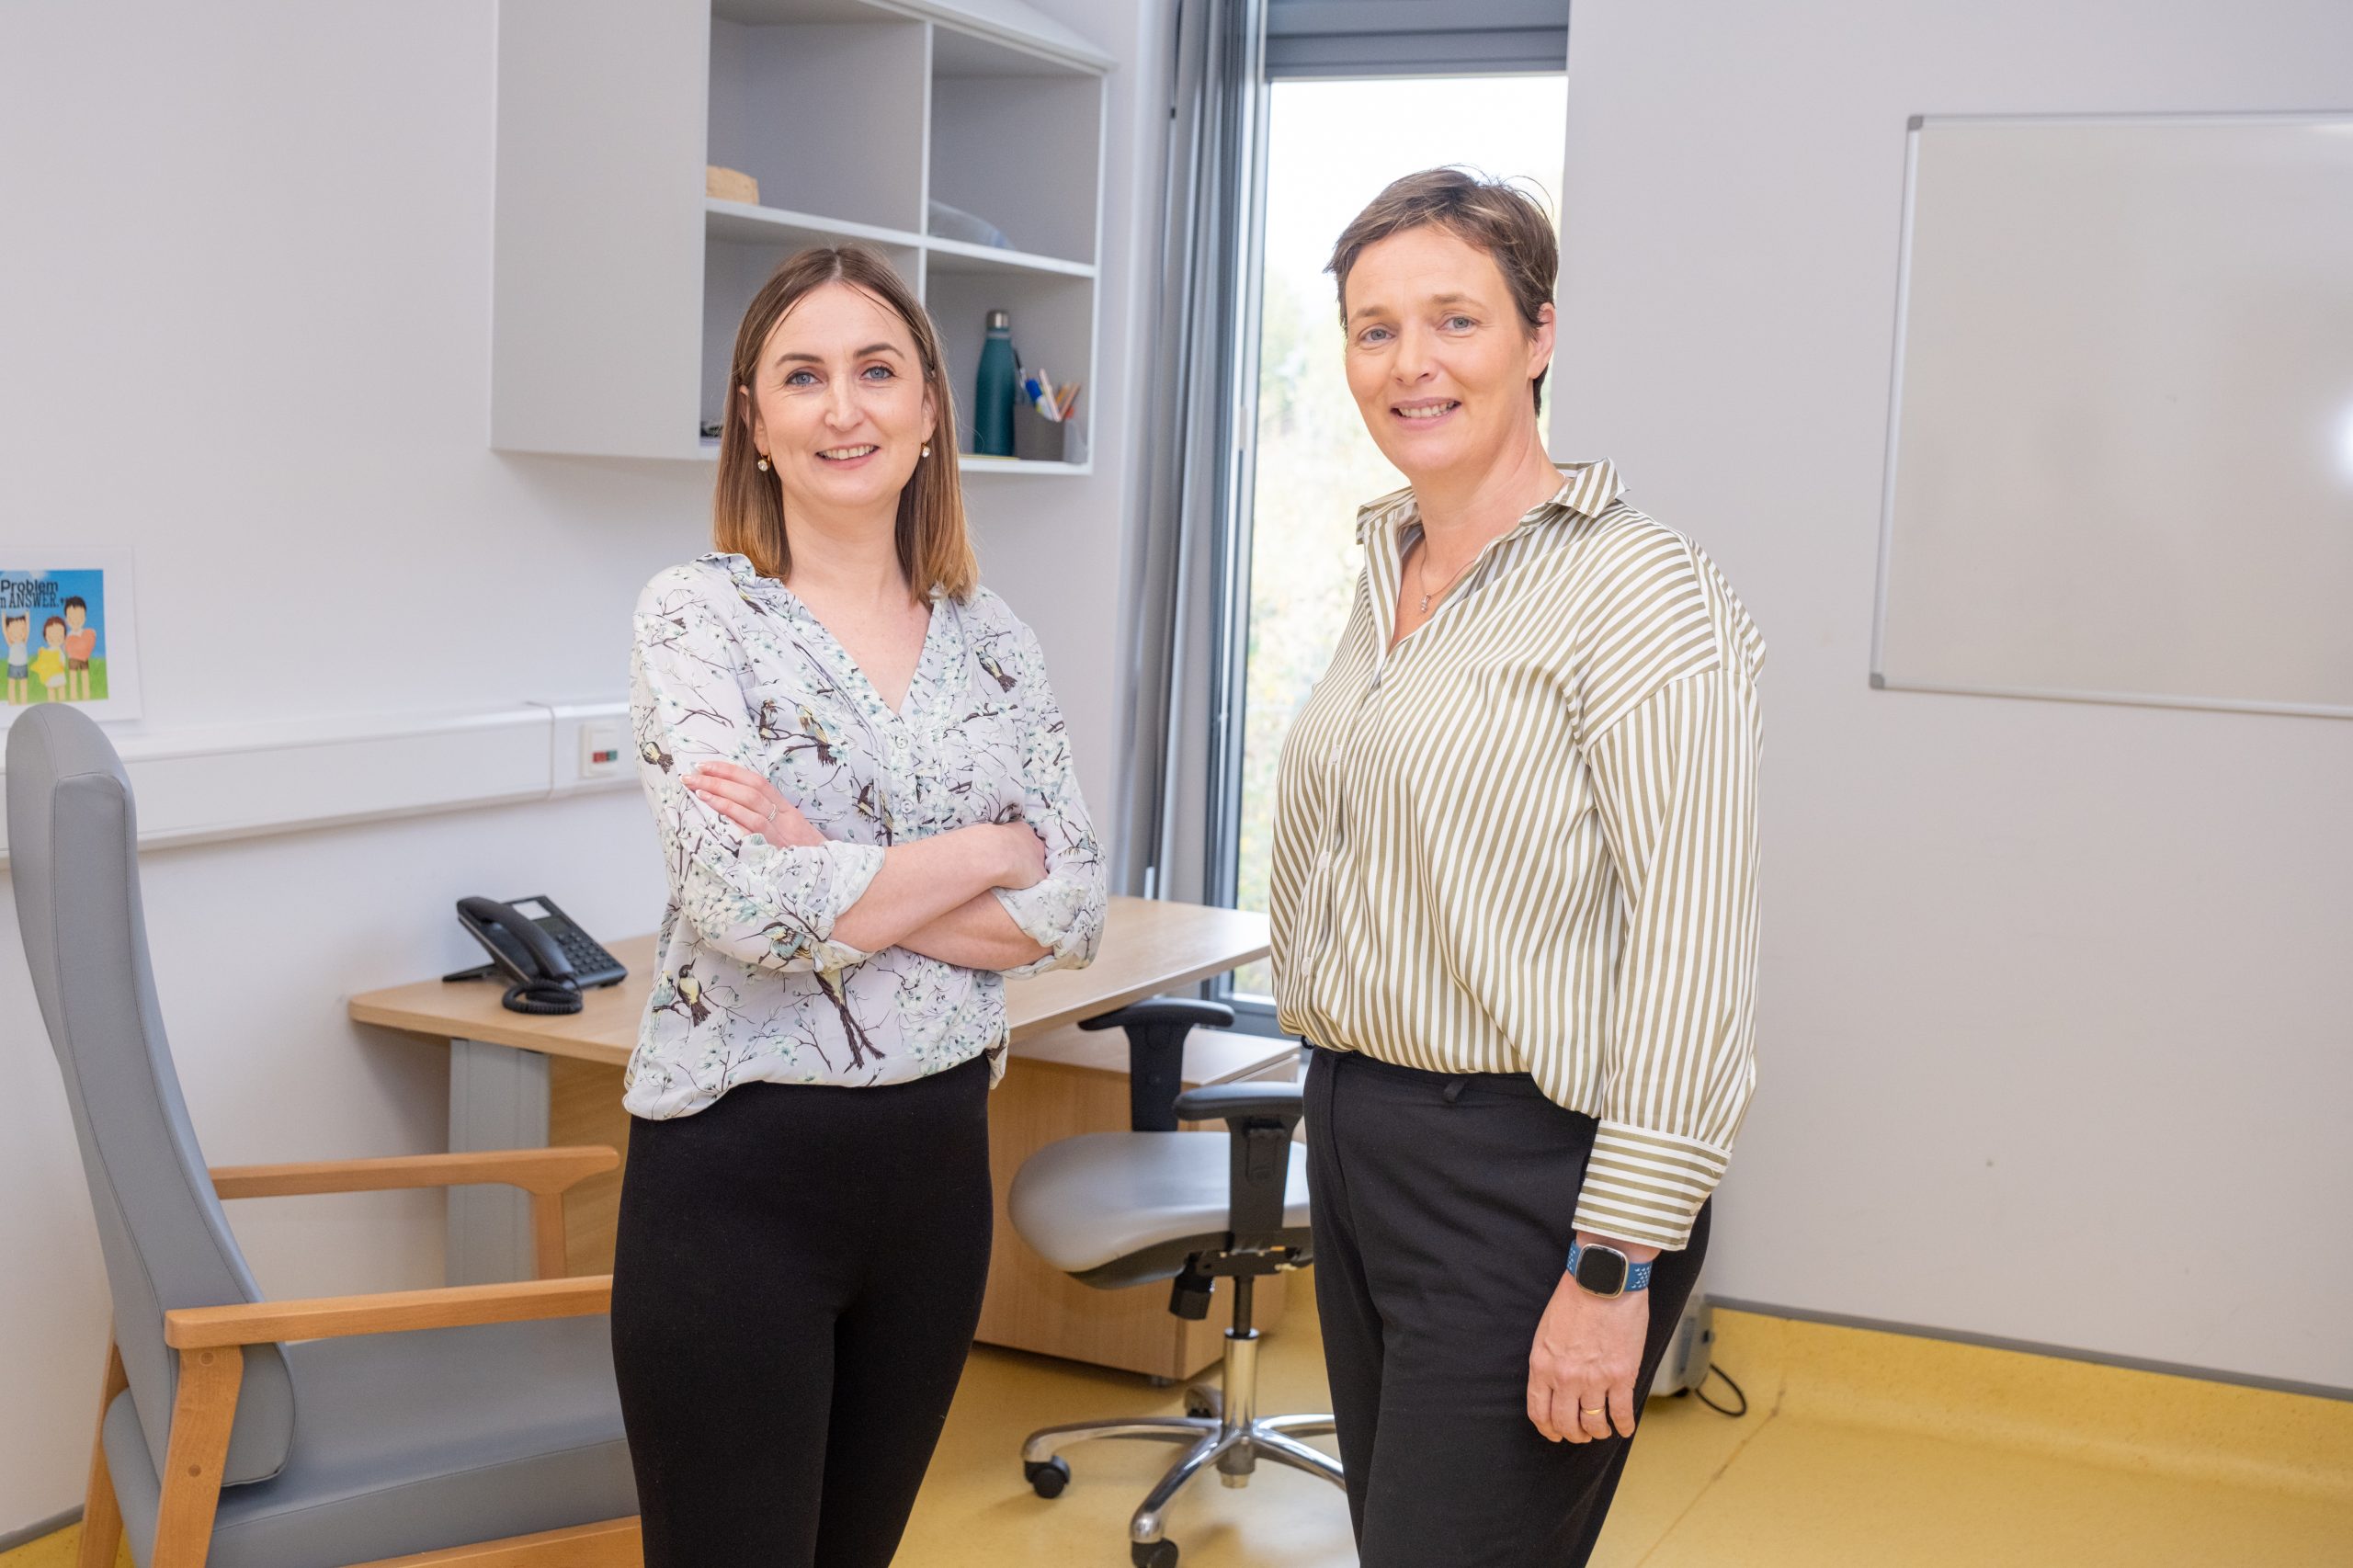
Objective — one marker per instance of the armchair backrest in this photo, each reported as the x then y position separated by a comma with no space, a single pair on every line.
72,854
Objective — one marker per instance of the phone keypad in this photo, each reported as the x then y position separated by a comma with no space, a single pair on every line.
591,963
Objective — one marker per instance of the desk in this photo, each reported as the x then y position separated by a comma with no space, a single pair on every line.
520,1080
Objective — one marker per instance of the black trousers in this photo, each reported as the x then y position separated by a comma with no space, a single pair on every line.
1444,1206
796,1281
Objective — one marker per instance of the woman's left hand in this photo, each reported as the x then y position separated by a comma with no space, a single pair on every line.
1581,1371
752,803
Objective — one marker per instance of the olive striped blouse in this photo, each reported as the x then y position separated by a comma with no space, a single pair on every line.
1525,839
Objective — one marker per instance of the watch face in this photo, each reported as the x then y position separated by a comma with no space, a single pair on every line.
1602,1270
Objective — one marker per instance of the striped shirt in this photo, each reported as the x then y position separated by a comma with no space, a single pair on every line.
1525,839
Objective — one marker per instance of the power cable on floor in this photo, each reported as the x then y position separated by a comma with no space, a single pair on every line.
1699,1392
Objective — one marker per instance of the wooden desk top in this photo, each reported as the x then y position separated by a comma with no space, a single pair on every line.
1149,946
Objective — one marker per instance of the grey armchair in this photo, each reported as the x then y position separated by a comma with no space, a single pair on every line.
417,1426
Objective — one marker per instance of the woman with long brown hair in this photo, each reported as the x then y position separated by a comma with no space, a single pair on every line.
867,811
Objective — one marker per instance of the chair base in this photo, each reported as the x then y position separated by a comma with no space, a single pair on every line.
1229,1435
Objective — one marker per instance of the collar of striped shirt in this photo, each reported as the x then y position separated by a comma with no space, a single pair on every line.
1590,488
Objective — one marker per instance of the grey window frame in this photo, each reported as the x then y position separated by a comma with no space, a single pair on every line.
1362,38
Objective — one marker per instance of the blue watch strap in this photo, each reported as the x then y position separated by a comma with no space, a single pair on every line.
1638,1274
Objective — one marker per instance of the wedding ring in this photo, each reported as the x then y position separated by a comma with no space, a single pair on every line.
1601,1412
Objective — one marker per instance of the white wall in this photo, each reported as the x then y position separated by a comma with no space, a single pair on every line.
244,291
2053,1026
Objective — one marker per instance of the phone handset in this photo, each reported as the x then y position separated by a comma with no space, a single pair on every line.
544,978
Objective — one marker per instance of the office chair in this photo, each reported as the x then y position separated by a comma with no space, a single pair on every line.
415,1424
1114,1209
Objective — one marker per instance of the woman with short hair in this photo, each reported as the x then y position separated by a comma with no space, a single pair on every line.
867,811
1514,899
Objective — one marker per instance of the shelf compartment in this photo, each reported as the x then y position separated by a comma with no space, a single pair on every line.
1017,142
781,93
1053,327
961,256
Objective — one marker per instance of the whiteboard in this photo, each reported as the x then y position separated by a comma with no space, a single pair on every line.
2120,458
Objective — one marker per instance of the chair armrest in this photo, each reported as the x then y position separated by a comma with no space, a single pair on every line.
540,1171
1224,1102
390,1311
1258,1121
1156,1028
1190,1011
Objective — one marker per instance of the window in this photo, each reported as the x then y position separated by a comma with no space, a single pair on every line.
1331,145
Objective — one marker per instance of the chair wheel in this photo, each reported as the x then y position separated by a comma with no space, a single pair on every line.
1154,1554
1203,1403
1047,1479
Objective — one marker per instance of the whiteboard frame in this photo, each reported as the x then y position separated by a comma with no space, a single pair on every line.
1879,676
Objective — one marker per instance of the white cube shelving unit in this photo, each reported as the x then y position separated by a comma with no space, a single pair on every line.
618,285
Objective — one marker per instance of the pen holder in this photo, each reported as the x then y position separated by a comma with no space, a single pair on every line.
1036,439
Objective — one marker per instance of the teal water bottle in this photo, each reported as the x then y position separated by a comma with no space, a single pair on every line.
992,392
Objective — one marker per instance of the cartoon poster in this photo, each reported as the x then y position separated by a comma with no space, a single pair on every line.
70,636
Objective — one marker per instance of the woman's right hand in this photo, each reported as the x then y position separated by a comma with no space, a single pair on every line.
751,802
1021,854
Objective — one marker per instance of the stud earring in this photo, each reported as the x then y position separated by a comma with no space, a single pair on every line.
927,448
763,462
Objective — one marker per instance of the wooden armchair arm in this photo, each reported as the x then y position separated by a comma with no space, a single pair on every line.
540,1172
545,1174
389,1311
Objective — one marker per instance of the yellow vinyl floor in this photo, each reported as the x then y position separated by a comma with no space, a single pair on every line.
1874,1450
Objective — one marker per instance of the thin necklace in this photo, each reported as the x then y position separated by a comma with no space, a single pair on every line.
1421,573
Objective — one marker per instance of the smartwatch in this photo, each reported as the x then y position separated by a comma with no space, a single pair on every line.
1606,1271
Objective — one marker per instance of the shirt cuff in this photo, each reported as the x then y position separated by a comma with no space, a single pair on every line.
851,869
1053,914
1645,1185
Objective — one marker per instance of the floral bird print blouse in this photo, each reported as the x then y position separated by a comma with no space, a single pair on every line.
729,666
